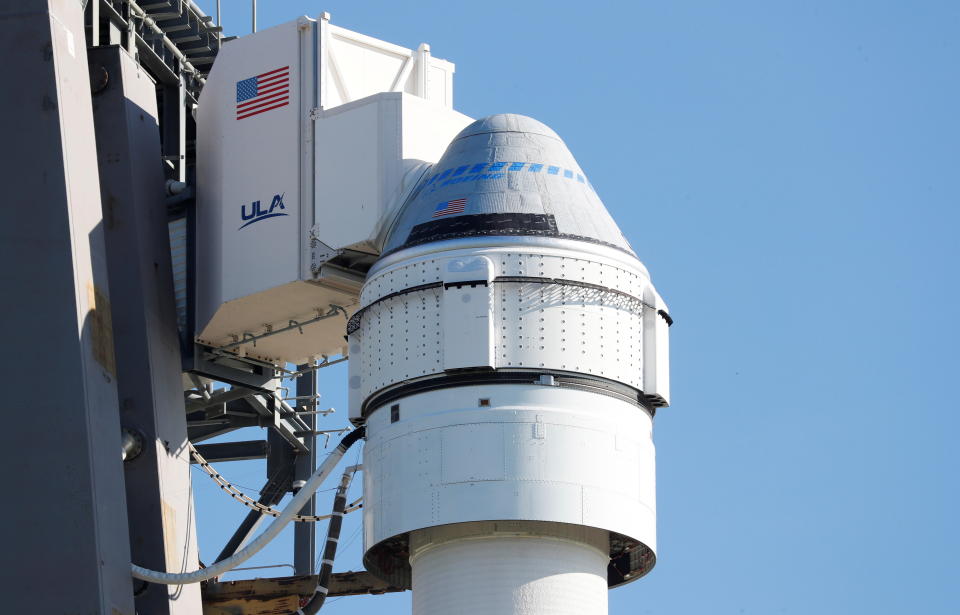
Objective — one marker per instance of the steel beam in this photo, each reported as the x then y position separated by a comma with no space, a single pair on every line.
223,369
174,126
286,426
305,534
159,494
217,398
234,451
70,511
267,595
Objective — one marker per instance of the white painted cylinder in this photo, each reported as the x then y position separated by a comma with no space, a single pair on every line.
507,361
511,574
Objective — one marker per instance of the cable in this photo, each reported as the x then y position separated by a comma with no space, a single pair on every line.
232,490
298,501
330,550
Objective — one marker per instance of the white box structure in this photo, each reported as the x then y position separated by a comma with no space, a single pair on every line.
307,135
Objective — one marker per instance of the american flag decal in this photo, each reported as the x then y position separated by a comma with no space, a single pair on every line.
450,207
262,93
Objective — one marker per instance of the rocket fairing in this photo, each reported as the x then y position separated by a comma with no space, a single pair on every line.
507,359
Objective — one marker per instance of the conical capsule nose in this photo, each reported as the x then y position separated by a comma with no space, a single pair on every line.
505,175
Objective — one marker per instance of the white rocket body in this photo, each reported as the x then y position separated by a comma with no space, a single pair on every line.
507,359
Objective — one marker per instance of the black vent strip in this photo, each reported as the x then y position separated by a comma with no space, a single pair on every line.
479,376
470,283
471,225
480,225
502,224
354,322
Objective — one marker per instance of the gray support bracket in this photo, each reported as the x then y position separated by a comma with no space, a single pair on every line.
305,534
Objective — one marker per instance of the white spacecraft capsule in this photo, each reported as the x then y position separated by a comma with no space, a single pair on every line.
507,359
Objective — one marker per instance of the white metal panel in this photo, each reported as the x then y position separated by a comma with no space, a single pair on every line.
532,324
513,499
428,127
364,149
362,65
245,165
397,508
459,269
656,349
466,313
557,452
472,452
403,276
372,488
401,340
354,144
357,66
568,328
249,166
439,84
595,454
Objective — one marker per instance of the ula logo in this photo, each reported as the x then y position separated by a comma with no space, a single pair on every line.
256,214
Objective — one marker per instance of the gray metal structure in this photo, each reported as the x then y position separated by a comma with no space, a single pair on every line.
57,331
100,161
159,499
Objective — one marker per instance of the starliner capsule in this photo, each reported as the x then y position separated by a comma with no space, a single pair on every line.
507,359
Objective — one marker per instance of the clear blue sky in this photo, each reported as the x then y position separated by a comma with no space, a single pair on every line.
788,171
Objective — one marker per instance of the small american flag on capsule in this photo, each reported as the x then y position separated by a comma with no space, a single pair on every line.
446,208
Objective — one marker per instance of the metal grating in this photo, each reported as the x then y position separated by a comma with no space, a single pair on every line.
171,37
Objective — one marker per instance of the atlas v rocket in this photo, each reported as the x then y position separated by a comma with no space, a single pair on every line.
507,349
509,356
